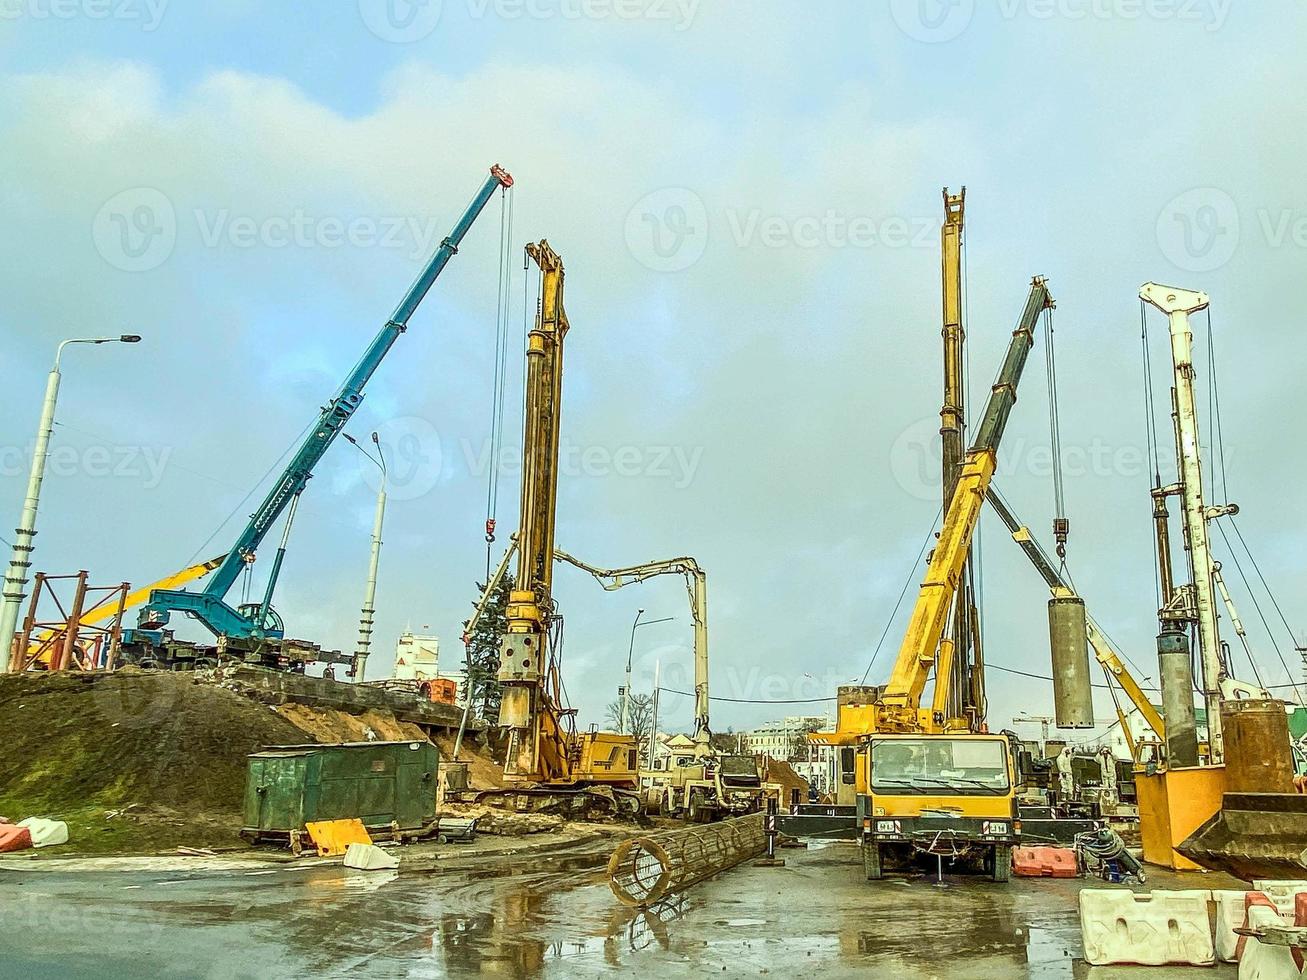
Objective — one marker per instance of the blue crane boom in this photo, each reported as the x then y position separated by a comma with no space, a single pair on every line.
257,621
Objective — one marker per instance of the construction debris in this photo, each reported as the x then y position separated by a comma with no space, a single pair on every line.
369,857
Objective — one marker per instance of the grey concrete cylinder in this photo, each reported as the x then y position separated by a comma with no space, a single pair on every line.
1176,670
1073,703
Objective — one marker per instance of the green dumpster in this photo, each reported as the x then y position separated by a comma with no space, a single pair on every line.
387,785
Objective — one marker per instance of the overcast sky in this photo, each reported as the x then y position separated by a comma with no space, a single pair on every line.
747,200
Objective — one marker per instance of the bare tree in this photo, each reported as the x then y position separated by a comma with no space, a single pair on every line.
639,719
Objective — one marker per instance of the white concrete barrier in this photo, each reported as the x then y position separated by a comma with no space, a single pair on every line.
1162,927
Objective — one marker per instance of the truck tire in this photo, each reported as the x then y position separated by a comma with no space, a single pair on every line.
871,861
694,810
1002,862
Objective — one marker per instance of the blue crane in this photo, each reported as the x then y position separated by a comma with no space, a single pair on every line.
247,627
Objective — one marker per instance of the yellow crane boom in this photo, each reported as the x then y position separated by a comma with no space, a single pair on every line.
925,644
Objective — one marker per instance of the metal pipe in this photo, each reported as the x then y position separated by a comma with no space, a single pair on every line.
1175,667
643,871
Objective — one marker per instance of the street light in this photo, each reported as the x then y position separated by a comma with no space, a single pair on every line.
15,583
368,615
630,655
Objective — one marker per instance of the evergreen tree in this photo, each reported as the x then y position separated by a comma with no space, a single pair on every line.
483,649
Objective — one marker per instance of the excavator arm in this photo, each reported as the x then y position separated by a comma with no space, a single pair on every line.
925,644
696,584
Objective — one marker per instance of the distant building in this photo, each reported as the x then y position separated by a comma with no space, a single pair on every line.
417,658
778,739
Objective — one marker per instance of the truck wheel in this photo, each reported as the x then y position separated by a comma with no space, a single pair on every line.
871,862
698,811
1002,862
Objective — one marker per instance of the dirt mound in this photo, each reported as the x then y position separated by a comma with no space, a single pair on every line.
144,760
783,773
331,725
483,772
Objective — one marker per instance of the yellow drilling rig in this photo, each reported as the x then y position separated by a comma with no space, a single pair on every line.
548,763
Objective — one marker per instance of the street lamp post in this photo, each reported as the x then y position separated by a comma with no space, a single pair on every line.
368,615
625,714
626,691
15,583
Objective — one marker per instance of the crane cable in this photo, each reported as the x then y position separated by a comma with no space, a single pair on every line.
1217,469
500,369
1061,526
1150,436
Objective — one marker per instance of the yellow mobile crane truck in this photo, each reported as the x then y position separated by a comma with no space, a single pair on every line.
928,781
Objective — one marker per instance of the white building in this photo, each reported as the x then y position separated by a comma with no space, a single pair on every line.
417,658
778,739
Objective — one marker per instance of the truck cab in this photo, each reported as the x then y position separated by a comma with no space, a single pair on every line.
947,796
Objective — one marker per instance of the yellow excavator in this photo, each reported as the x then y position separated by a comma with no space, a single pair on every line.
548,763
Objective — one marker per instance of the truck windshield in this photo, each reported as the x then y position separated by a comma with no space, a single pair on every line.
956,766
739,767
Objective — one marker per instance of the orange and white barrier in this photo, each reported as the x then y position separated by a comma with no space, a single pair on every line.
1156,929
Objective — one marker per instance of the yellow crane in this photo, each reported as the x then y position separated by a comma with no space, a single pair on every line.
548,763
930,779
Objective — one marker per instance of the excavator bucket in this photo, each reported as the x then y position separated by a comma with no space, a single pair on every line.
1253,835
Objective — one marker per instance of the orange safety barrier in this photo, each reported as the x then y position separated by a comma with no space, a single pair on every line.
1044,862
14,838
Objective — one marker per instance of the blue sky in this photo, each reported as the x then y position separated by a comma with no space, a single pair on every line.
768,368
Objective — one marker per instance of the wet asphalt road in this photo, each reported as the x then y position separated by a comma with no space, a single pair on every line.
552,917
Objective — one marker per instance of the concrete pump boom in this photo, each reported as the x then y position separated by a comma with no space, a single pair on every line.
696,584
